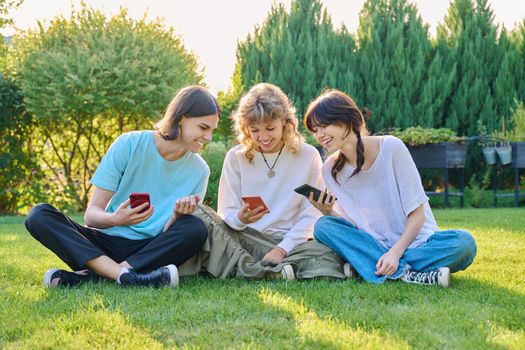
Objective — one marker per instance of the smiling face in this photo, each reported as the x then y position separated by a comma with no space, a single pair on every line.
267,136
334,136
196,131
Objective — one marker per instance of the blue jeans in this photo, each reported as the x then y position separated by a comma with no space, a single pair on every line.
455,249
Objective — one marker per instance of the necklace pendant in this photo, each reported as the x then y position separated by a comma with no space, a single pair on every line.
270,173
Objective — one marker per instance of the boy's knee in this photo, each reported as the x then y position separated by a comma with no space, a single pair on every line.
35,218
197,232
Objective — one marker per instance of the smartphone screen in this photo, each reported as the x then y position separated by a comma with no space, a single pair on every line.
137,198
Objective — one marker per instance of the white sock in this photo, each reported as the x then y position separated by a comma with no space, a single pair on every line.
122,271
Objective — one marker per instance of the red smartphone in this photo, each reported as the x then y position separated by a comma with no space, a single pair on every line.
137,198
254,202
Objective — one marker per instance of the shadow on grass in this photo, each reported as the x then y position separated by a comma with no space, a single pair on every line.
471,315
209,313
206,313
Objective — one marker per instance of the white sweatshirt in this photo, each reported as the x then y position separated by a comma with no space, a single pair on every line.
291,215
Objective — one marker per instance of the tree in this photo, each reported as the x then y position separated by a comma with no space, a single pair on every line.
506,85
300,52
471,36
436,88
5,7
518,41
228,101
394,51
19,176
90,78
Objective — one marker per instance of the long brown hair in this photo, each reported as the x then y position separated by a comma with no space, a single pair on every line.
264,103
335,107
190,102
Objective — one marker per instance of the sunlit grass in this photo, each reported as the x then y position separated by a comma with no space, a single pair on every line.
484,308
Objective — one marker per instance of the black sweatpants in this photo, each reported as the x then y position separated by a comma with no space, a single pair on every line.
76,244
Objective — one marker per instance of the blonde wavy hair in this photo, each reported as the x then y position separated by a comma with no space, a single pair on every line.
265,103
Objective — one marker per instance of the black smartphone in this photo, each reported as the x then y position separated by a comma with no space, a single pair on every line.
306,189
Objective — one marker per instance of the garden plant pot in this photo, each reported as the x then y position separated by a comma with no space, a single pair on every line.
504,154
490,155
518,155
442,155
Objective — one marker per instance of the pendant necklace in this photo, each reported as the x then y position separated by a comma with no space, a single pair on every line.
271,172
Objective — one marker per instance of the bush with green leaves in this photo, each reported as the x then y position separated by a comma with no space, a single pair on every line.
417,136
20,178
214,154
476,190
88,79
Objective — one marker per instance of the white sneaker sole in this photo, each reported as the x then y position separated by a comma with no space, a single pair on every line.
47,278
174,275
348,271
287,273
444,279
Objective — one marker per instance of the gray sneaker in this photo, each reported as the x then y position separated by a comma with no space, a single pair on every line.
439,277
165,276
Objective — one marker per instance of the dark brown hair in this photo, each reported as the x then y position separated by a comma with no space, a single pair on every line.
190,102
335,107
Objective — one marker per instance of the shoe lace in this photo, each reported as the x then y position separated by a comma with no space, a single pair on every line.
424,277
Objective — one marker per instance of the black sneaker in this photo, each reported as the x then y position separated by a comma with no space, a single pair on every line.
165,276
68,278
440,277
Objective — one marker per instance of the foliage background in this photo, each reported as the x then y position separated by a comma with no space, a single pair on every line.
76,84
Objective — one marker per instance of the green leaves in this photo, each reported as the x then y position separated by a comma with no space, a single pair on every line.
299,51
19,172
467,74
393,55
90,78
416,136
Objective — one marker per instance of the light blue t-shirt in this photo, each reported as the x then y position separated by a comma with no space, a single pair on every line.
133,164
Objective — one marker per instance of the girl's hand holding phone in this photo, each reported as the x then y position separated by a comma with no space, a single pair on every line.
247,216
186,205
325,202
126,216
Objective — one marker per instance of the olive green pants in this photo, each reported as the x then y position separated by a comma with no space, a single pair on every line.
231,253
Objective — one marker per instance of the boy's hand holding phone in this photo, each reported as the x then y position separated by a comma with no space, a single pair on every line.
186,205
253,209
133,211
136,199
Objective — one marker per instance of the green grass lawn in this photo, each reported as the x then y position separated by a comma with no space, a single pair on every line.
483,308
